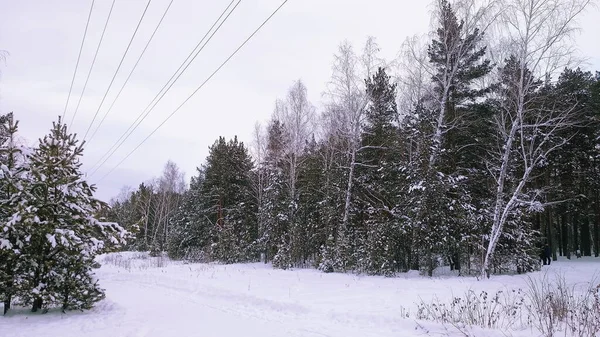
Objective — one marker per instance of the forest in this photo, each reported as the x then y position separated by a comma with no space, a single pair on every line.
474,148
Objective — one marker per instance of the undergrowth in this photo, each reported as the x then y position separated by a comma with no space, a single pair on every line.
548,305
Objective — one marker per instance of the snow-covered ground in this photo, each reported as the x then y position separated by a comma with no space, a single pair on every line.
153,297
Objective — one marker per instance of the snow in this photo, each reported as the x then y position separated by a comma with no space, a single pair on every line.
51,239
5,244
154,297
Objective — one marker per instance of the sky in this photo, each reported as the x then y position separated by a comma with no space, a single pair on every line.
43,39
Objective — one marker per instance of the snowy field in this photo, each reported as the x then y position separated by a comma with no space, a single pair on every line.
153,297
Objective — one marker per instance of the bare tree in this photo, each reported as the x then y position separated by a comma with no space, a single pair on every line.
259,151
347,101
346,111
124,194
143,204
298,116
3,55
537,33
412,75
169,190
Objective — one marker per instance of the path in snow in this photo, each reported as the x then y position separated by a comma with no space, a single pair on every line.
144,300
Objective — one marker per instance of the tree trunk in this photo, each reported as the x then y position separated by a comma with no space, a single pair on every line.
561,237
37,304
349,190
566,236
597,230
586,235
550,238
430,263
7,302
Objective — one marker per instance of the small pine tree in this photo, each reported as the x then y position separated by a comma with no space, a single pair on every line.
328,258
14,183
283,257
66,236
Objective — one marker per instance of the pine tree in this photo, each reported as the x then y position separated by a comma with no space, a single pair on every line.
571,170
283,257
328,261
14,188
229,204
66,236
448,152
379,177
190,234
274,211
309,233
331,237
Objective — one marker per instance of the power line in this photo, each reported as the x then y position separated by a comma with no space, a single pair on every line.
78,58
118,68
191,57
131,73
93,62
193,54
195,91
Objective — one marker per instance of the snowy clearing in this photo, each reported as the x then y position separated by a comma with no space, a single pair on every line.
154,297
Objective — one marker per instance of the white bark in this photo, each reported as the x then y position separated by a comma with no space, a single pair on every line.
348,99
169,189
415,70
297,115
471,13
259,149
537,33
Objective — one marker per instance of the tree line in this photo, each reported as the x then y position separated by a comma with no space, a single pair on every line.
474,148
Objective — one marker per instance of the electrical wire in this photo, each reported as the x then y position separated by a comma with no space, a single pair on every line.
144,114
87,24
195,91
130,73
93,62
118,68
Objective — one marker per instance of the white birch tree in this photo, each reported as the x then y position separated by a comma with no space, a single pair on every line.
538,36
297,114
346,111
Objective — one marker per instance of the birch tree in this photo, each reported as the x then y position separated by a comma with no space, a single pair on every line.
537,34
297,115
169,187
3,55
259,175
346,114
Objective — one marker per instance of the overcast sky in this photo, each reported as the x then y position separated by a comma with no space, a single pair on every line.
43,38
